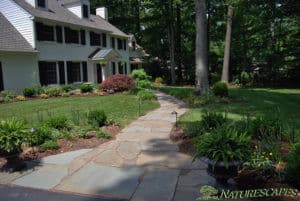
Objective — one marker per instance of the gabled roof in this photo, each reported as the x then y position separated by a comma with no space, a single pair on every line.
57,12
104,54
10,39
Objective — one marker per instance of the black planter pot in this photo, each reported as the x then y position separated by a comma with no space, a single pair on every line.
219,170
14,163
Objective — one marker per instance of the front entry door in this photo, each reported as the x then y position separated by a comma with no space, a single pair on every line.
99,73
1,78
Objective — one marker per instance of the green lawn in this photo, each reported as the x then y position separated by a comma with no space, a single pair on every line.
122,108
248,101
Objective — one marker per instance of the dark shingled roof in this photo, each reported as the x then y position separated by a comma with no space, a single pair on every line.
57,12
11,39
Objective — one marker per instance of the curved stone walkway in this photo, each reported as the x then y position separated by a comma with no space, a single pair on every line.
142,164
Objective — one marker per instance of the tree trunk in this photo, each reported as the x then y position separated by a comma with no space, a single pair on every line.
178,43
171,41
202,85
225,72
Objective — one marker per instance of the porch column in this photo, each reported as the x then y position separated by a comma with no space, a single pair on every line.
66,72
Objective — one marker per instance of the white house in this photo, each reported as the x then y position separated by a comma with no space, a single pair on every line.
58,42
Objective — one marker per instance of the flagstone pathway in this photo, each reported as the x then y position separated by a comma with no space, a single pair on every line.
142,164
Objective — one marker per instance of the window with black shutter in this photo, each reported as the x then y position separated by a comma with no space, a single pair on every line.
104,40
61,67
85,11
95,39
71,36
112,42
82,37
74,74
47,72
44,32
113,68
84,71
41,3
1,78
120,44
125,44
59,37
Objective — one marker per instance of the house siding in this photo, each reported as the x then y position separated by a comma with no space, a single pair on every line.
19,18
19,70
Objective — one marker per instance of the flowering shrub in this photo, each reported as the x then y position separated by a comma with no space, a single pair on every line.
118,83
20,98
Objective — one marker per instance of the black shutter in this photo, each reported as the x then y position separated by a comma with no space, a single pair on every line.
59,37
69,72
104,40
61,66
84,71
42,73
125,44
82,35
1,78
39,31
119,44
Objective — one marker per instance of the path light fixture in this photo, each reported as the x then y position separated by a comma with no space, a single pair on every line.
175,113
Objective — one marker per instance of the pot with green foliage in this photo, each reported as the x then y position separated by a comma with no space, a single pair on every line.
12,134
224,150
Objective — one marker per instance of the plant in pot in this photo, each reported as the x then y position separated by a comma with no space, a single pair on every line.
12,134
224,150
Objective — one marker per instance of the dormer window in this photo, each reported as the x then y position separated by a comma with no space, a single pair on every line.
41,3
85,11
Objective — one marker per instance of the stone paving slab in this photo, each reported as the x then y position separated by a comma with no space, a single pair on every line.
158,184
64,158
45,177
103,181
8,177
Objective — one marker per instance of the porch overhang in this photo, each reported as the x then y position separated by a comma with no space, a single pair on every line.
105,54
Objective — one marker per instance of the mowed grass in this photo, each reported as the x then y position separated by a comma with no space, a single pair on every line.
121,108
248,101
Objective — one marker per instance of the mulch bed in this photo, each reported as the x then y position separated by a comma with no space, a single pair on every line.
34,153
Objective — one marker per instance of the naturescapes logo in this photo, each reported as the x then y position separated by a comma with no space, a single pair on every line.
210,193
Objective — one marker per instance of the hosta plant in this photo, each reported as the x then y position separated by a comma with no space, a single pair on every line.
12,134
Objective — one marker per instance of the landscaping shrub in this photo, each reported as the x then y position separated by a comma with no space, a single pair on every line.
212,120
146,95
267,127
20,98
104,135
97,117
67,87
44,96
118,83
53,91
50,144
140,74
8,95
58,122
12,134
159,80
38,135
86,88
29,91
247,78
146,84
293,165
135,90
223,145
220,89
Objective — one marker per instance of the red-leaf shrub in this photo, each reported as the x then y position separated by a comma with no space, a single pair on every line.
118,82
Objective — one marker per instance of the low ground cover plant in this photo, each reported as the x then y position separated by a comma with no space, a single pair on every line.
87,88
97,117
29,91
146,95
